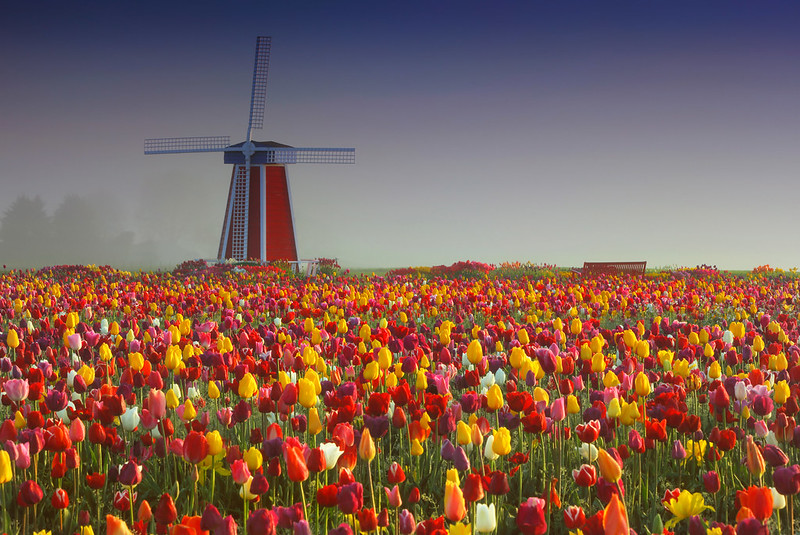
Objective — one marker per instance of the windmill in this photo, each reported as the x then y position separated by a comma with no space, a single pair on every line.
258,220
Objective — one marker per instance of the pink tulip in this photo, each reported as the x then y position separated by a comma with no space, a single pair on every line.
77,430
240,472
558,410
17,389
74,341
157,404
393,496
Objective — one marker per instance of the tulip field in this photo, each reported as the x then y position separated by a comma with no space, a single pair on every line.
461,399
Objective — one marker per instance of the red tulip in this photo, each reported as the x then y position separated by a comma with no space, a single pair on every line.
530,517
30,493
574,517
165,513
473,488
195,447
95,480
787,479
295,463
350,498
589,432
395,474
130,474
585,476
122,500
367,520
757,499
60,499
327,495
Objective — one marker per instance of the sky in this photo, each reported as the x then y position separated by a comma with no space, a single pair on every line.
541,131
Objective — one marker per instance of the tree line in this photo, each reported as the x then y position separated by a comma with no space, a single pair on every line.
79,231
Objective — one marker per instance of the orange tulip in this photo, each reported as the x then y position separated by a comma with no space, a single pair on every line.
755,461
454,506
615,519
116,526
609,467
366,447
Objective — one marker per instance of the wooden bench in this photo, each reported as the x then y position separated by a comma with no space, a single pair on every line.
613,268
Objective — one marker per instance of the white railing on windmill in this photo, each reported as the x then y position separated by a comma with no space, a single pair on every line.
259,180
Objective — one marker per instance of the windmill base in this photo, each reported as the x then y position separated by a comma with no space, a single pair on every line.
258,222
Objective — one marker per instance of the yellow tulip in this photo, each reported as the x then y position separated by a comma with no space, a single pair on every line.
598,363
613,410
314,423
576,326
522,336
253,458
629,413
782,392
213,390
172,399
189,412
247,386
758,344
502,441
5,467
686,505
12,339
416,448
87,373
452,476
463,433
422,382
306,395
642,385
475,352
494,397
540,394
384,358
573,407
610,379
629,338
172,359
372,370
105,352
517,357
214,443
715,370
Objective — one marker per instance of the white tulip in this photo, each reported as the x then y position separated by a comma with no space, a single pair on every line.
778,499
485,518
488,451
130,419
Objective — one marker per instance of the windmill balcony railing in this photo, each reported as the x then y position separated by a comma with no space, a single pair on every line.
305,267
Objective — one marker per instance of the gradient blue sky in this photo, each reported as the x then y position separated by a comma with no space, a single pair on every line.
546,131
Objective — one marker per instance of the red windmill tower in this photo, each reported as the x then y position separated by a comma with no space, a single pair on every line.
258,220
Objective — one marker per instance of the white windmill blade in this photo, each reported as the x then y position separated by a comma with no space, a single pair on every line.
177,145
258,94
313,155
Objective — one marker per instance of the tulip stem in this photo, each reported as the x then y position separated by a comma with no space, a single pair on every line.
303,495
130,500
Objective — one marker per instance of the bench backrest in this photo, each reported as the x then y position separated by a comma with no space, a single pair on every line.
610,268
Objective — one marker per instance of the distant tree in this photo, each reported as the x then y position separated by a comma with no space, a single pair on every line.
77,233
25,234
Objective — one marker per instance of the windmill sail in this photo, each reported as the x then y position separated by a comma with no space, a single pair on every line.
258,94
177,145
